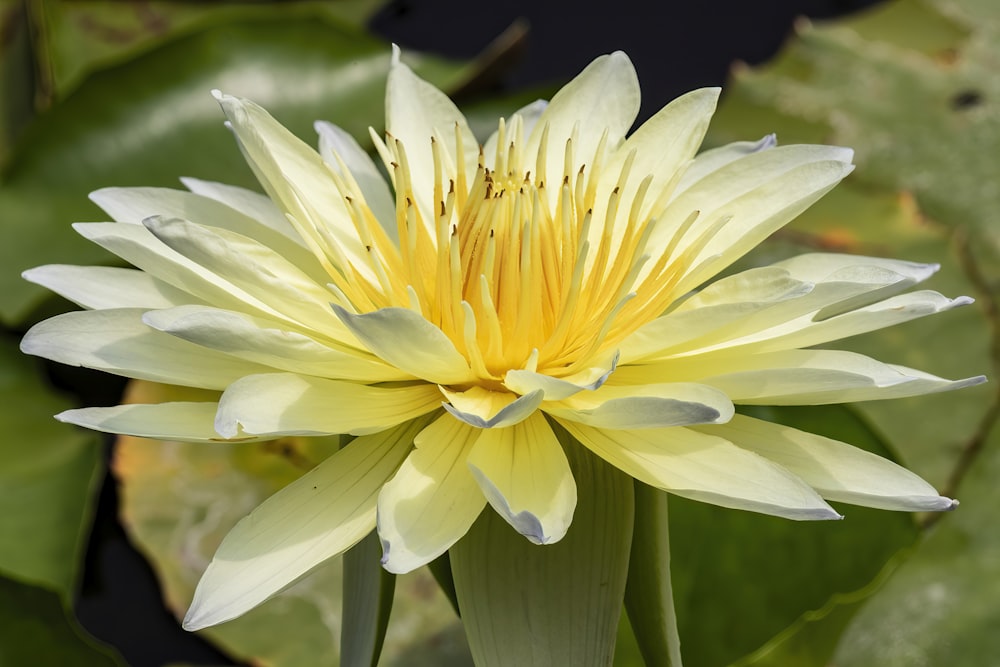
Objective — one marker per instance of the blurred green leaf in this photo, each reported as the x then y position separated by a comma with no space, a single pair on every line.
740,578
17,76
926,129
554,605
152,120
48,476
178,500
77,37
34,630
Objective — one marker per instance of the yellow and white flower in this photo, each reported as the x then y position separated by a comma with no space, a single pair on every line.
555,275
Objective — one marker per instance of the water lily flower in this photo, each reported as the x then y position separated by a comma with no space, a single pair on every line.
558,276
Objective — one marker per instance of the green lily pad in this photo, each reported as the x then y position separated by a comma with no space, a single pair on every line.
76,38
35,630
49,473
926,130
180,499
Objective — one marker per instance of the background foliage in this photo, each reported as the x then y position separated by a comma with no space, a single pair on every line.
96,93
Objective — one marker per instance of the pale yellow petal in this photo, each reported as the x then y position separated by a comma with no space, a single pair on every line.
289,404
323,513
433,499
268,343
525,476
99,287
409,342
645,406
483,408
835,469
117,341
176,421
704,468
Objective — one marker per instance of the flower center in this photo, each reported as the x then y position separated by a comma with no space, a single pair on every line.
517,272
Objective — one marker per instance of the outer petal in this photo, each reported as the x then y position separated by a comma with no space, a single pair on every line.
267,343
255,269
433,499
298,181
716,158
116,341
409,342
483,408
663,146
806,331
287,404
525,476
814,377
318,516
835,469
415,111
176,421
98,287
249,203
645,406
705,468
604,96
529,115
759,193
336,145
133,205
136,245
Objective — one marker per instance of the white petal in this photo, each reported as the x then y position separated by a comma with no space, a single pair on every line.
318,516
526,382
415,111
99,287
249,203
872,278
525,476
806,332
289,404
663,146
335,142
758,193
117,341
254,269
267,343
133,205
814,377
705,468
296,178
409,342
837,470
136,245
717,158
714,310
179,421
604,96
483,408
433,499
645,406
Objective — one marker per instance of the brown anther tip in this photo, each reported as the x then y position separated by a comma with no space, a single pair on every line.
409,202
616,190
433,140
582,167
395,165
368,248
442,209
565,180
492,231
348,198
451,185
